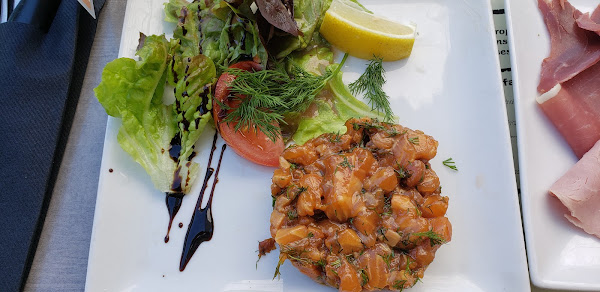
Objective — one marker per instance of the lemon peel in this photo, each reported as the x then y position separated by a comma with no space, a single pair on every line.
364,35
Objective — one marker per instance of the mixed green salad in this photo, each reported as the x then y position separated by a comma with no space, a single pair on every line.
254,69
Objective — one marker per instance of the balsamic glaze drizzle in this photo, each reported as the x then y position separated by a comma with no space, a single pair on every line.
201,226
173,201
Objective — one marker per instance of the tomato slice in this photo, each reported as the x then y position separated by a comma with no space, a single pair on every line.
253,146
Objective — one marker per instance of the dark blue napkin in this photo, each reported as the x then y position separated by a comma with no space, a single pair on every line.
41,74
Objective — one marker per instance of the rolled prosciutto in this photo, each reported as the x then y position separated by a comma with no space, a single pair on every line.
579,191
570,76
574,109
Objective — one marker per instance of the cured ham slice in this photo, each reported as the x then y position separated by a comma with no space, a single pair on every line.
574,109
572,49
570,98
579,191
570,76
590,22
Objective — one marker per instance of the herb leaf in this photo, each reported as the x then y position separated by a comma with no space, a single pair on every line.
450,164
364,277
272,94
408,271
399,285
282,259
336,264
292,215
434,238
346,163
371,84
414,140
387,258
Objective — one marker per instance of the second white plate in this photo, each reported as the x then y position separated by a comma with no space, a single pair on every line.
561,256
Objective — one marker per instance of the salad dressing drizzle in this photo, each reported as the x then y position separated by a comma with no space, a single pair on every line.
173,201
203,108
175,149
201,226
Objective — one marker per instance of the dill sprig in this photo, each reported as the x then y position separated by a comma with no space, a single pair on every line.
364,277
399,285
434,238
292,214
450,164
337,263
272,94
388,258
371,84
414,140
408,262
346,163
282,259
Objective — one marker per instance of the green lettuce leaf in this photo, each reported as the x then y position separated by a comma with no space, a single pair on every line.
338,104
186,34
132,91
314,60
331,117
172,10
160,137
193,101
347,106
229,34
308,15
220,31
326,121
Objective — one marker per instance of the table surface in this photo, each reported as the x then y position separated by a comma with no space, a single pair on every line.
60,262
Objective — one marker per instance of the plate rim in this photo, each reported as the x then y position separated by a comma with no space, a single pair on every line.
107,133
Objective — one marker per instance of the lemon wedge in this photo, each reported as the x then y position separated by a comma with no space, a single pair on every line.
362,34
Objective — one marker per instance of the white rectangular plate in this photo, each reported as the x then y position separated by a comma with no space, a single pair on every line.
561,256
450,88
